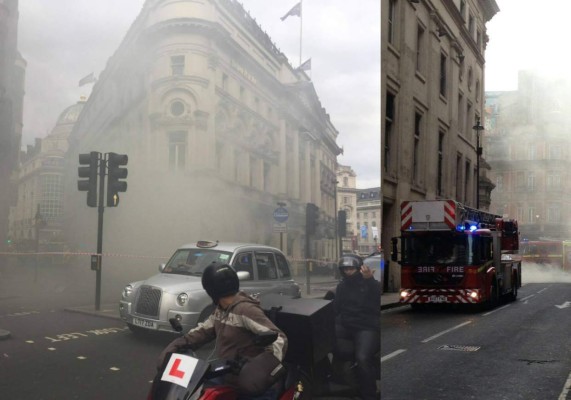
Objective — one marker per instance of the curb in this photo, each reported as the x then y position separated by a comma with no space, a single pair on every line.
104,313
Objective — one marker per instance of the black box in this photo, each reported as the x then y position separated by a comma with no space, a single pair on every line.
309,325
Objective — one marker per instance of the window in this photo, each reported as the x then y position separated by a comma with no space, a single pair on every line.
471,25
553,213
389,118
177,65
392,20
51,205
531,152
266,266
531,216
420,49
500,183
468,129
443,62
461,121
463,9
224,81
177,150
459,176
242,93
440,166
345,200
366,215
283,269
177,108
470,78
531,181
467,181
553,180
555,152
345,181
477,91
243,263
416,148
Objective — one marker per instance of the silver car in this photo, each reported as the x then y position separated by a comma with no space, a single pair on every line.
176,292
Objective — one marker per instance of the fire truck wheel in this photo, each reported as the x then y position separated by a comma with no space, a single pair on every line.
513,294
494,299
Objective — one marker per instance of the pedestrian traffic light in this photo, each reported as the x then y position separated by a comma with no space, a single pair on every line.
89,171
342,223
114,173
311,218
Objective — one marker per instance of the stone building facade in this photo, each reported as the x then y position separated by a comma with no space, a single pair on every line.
432,86
368,218
347,201
12,76
218,128
527,140
36,220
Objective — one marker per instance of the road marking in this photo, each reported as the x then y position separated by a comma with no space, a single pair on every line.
566,388
29,341
564,305
393,354
542,290
51,348
497,309
528,297
114,369
82,358
446,331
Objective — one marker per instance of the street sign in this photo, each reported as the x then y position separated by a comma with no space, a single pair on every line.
281,214
280,227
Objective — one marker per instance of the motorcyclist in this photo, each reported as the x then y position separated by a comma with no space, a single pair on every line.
234,323
357,305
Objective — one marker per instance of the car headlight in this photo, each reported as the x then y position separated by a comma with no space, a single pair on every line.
181,299
127,291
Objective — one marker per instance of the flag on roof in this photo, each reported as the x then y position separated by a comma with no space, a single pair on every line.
87,79
295,10
306,66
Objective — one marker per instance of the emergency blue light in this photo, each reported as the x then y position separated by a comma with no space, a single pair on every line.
473,228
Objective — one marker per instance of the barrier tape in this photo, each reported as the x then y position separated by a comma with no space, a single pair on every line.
67,254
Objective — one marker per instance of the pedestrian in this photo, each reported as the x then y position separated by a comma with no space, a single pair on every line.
357,306
234,324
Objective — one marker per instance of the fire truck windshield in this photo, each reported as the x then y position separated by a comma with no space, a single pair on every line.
442,248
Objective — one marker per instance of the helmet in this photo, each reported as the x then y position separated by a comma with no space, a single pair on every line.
350,260
220,280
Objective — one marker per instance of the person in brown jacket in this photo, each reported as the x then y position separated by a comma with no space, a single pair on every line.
234,324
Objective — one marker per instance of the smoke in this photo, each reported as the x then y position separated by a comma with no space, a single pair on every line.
543,273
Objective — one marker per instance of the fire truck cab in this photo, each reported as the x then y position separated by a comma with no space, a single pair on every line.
454,254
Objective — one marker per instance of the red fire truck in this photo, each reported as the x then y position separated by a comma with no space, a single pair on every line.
454,254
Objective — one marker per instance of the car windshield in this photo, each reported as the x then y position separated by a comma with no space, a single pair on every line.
194,261
437,248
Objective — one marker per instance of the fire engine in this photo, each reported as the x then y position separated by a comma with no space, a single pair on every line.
555,253
454,254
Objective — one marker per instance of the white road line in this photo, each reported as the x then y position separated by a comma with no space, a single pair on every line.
528,297
393,354
497,309
542,290
566,388
446,331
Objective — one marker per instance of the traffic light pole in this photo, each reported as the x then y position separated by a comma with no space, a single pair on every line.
100,209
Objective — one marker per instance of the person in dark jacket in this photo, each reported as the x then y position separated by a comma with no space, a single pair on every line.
234,324
357,306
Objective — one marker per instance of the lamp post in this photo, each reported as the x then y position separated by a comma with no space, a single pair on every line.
478,128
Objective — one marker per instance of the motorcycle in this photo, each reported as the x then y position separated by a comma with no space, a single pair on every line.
183,376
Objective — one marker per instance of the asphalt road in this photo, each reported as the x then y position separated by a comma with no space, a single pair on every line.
520,350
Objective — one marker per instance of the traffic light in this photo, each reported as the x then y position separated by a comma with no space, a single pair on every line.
342,223
114,173
89,185
311,218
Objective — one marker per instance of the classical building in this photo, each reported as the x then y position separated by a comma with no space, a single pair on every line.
368,218
36,221
12,73
432,85
347,201
218,128
528,142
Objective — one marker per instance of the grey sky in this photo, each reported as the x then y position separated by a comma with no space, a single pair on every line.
64,40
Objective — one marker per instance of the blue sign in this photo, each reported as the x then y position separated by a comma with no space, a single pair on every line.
364,231
281,214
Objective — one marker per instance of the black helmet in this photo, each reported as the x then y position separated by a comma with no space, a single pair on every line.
220,280
350,260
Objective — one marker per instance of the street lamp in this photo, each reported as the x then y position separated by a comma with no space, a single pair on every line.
478,128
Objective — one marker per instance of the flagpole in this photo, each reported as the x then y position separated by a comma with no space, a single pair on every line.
300,27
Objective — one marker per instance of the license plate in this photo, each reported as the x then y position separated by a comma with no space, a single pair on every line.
437,299
144,323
